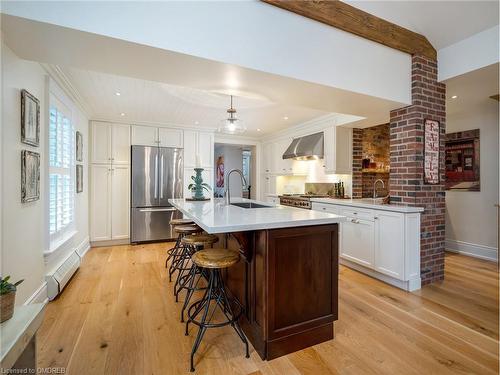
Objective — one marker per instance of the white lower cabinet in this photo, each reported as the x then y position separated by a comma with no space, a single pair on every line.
385,244
357,241
110,202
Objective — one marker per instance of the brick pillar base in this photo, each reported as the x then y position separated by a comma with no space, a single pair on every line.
407,168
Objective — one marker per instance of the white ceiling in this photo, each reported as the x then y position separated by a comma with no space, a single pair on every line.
156,102
442,22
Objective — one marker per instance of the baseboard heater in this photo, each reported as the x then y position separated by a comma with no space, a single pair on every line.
57,280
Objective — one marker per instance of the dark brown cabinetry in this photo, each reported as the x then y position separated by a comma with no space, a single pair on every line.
288,284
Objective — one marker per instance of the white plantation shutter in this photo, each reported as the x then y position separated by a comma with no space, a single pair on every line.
61,171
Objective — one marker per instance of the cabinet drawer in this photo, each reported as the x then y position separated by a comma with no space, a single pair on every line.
325,207
355,213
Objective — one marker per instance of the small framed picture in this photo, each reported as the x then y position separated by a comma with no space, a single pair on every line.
30,176
30,119
79,146
79,178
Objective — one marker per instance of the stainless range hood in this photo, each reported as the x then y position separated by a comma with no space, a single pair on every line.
310,147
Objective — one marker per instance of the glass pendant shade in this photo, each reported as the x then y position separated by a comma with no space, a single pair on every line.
232,125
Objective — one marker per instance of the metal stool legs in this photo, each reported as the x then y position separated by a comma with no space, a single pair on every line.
215,293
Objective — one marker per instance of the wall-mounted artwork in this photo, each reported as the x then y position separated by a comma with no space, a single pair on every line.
431,152
30,119
462,161
219,177
79,178
79,146
30,176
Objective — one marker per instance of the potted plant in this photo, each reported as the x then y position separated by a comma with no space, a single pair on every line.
198,186
7,298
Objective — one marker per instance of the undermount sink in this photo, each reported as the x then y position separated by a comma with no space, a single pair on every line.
250,205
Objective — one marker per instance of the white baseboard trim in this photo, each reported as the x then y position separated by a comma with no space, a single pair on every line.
473,250
125,241
84,246
408,285
40,295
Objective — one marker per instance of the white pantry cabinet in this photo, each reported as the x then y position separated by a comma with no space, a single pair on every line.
381,243
153,136
110,143
338,150
201,145
110,202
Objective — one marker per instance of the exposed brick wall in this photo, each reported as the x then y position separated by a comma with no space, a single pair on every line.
357,157
368,181
407,176
376,144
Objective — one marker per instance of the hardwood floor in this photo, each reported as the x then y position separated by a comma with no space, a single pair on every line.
118,316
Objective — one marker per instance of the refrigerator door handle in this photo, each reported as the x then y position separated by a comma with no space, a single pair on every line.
161,178
156,209
156,176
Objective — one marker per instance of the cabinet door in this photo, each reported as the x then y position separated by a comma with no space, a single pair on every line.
120,202
389,243
100,204
283,166
329,149
358,241
170,137
144,135
208,177
120,144
206,149
190,148
101,142
267,157
343,150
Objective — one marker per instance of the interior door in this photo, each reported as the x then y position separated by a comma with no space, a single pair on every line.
170,171
145,163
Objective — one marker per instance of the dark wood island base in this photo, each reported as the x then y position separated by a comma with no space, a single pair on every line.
287,283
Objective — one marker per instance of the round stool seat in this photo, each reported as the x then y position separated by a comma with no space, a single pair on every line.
215,258
200,239
187,229
181,221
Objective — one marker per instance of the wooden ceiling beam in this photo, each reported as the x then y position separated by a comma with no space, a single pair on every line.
348,18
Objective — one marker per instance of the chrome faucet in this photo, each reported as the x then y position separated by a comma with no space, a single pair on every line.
375,187
227,194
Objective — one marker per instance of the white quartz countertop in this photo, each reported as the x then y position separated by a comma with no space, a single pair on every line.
214,216
369,203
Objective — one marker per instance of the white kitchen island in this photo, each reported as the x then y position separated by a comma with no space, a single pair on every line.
380,240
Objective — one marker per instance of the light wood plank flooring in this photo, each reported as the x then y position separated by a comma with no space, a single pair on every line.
118,316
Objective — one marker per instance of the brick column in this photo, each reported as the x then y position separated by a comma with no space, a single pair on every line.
357,159
407,169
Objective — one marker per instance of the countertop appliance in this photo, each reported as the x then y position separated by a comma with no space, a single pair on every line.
157,176
299,200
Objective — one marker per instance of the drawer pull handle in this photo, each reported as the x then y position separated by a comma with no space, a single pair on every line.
355,221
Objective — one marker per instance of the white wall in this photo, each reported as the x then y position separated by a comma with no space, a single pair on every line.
24,226
233,159
471,218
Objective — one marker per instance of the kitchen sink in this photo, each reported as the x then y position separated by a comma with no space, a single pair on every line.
250,205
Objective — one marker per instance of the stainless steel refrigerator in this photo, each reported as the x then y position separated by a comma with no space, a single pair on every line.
157,176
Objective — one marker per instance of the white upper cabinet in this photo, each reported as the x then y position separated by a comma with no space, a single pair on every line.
120,144
268,157
110,143
101,142
198,144
338,150
144,135
170,137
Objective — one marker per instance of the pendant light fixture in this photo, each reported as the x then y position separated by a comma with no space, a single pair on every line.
232,125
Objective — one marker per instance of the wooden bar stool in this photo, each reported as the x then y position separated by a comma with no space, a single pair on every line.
179,254
189,280
214,260
173,223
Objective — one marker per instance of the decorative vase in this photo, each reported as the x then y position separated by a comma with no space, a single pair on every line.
7,306
197,191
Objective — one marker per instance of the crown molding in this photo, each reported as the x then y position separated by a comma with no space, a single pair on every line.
57,74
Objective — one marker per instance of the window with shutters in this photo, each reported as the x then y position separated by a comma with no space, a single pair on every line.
61,172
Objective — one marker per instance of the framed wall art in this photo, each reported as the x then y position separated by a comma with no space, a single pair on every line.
431,152
463,161
30,119
79,146
79,178
30,176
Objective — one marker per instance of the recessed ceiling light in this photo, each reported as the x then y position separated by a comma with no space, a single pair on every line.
258,130
454,96
285,118
117,93
122,114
